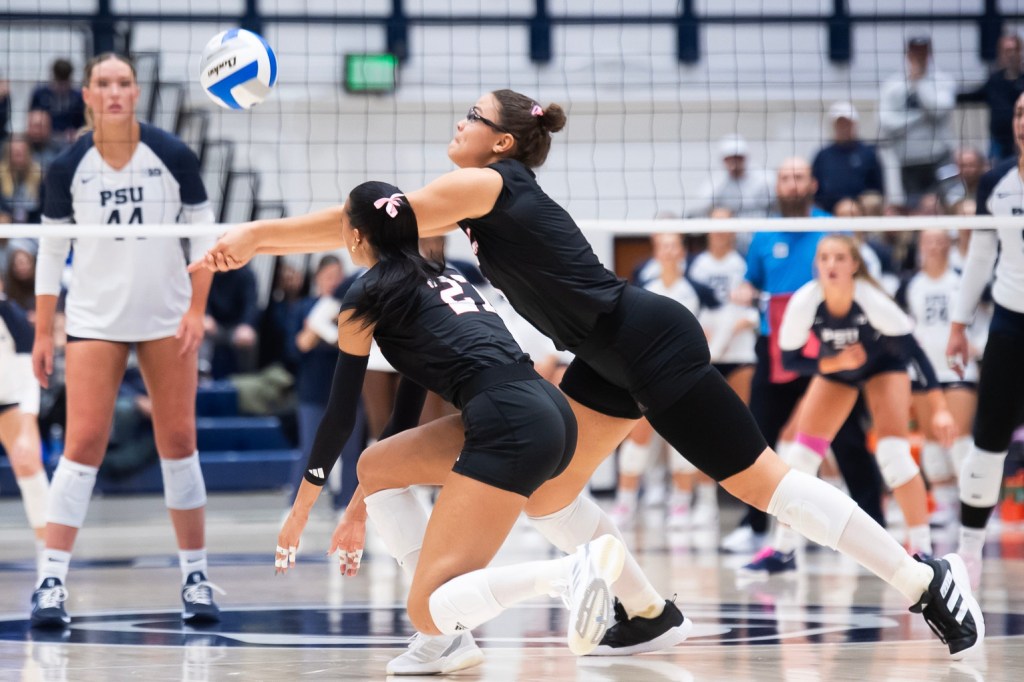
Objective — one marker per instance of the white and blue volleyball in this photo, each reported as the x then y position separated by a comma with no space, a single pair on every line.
238,69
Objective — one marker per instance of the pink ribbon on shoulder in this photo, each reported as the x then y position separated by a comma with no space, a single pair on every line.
391,203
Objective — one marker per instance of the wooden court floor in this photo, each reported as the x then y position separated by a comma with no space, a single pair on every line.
833,622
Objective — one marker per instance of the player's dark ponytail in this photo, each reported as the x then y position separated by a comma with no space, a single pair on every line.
382,214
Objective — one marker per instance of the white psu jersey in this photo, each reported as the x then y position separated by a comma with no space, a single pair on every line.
18,385
930,302
1000,193
124,289
723,276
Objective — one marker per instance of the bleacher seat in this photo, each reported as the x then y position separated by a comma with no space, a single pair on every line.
217,434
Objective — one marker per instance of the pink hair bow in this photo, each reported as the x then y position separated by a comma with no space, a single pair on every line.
392,203
536,111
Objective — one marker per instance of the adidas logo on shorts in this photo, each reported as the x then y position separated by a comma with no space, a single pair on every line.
318,472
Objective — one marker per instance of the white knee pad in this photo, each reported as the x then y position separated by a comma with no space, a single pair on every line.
401,522
936,462
70,491
895,461
34,490
572,526
981,478
184,487
811,507
463,603
958,453
679,464
633,457
802,458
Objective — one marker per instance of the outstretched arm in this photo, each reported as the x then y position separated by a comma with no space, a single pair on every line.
460,194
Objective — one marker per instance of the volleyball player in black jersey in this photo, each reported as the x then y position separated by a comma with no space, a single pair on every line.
441,335
636,354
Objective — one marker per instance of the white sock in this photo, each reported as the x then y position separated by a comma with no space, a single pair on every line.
972,541
469,600
823,514
190,561
626,498
54,563
33,495
706,495
582,521
877,551
920,538
401,522
679,498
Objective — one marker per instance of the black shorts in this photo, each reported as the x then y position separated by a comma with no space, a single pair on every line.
917,387
641,358
856,378
727,368
654,359
1001,385
519,435
7,406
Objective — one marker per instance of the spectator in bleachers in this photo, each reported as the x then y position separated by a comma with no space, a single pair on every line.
20,274
232,313
971,165
745,192
915,116
1000,92
282,318
5,109
21,179
62,100
39,134
848,167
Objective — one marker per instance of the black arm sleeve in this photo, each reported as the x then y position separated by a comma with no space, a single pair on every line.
916,356
409,399
339,417
796,361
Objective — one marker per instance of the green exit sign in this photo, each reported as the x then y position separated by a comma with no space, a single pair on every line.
370,72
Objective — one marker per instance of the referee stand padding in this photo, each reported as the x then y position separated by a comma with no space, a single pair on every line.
237,453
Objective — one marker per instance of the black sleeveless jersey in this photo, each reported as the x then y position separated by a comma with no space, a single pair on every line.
530,248
449,335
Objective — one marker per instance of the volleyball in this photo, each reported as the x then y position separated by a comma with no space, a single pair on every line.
238,69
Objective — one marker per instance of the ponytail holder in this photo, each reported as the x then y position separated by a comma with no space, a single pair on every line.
536,110
391,204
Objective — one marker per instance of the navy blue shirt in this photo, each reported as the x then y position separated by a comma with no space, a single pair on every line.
1000,94
845,170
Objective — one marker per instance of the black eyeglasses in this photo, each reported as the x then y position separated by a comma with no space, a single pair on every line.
473,115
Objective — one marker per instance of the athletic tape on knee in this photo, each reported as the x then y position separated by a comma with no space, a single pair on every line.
678,464
33,495
70,491
401,522
802,458
981,478
572,526
184,487
463,603
811,507
958,453
936,462
633,457
895,461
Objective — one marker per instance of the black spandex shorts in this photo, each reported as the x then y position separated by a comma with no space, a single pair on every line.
518,435
650,356
648,352
917,387
7,406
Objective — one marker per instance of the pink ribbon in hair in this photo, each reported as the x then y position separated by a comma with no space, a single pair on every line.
391,204
536,111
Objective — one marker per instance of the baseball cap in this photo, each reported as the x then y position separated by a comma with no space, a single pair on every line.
919,40
732,145
843,110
